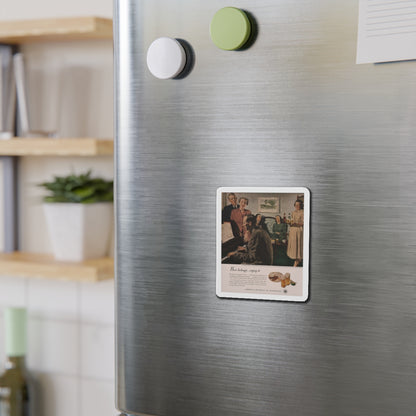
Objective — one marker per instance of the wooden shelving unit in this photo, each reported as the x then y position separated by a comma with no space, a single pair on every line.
24,31
56,147
41,265
44,266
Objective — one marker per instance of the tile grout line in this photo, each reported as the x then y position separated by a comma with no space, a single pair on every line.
71,321
79,346
75,377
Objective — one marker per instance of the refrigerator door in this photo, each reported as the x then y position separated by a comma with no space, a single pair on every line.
291,110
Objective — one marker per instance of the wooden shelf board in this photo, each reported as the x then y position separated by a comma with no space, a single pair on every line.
45,266
56,147
75,28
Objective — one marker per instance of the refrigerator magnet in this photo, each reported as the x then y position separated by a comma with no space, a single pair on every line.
263,243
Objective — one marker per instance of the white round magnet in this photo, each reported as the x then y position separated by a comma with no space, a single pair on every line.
166,58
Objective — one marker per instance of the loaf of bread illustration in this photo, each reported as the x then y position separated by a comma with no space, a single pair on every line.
276,276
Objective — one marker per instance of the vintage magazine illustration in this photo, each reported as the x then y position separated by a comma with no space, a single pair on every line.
263,243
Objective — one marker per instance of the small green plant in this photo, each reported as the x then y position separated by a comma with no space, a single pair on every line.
79,189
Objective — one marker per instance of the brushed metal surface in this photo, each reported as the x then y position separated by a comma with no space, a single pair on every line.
293,110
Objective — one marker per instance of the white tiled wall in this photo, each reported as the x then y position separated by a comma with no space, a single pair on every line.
70,343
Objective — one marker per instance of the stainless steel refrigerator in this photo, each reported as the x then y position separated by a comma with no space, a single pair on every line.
288,108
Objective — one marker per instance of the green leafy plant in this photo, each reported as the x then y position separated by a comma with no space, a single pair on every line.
79,189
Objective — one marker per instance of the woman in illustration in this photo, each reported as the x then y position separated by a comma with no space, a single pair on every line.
261,222
279,230
295,240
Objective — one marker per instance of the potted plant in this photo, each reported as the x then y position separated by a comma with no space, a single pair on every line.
79,213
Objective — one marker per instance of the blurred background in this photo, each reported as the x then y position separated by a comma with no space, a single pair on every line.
70,324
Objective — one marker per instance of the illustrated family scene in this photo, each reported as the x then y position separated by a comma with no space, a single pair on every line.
264,229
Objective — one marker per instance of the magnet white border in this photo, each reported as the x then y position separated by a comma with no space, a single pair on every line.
306,242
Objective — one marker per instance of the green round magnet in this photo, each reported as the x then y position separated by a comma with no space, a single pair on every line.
230,28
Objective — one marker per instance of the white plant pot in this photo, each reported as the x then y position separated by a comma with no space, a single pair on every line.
79,231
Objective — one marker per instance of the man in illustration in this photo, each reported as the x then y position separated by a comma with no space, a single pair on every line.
226,212
259,249
238,214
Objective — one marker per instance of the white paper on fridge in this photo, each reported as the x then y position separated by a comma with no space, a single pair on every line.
386,31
